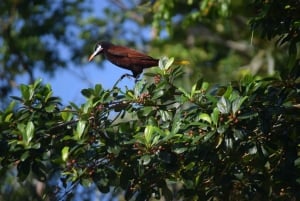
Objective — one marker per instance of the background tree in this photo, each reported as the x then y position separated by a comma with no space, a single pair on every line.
173,134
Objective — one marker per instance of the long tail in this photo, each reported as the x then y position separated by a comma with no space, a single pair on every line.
182,62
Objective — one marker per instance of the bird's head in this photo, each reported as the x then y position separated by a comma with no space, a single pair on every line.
99,49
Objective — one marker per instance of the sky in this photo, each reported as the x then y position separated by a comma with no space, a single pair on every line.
67,83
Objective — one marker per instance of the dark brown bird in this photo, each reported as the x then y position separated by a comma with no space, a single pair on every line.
125,57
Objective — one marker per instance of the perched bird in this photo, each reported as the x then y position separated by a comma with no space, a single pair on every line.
125,57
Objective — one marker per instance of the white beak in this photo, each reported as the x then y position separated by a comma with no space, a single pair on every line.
96,52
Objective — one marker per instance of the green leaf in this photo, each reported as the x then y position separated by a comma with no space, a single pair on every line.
180,150
215,116
208,136
25,155
87,92
165,115
88,105
297,162
80,129
157,94
139,87
219,140
98,89
145,159
145,111
25,92
194,90
50,108
186,94
148,133
10,107
114,149
224,105
205,86
236,104
228,92
165,63
49,93
37,83
73,105
66,114
205,117
29,132
155,140
176,123
8,117
65,153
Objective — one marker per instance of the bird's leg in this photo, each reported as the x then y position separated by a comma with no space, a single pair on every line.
135,76
126,75
121,78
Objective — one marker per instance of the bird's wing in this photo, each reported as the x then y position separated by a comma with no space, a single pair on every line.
127,52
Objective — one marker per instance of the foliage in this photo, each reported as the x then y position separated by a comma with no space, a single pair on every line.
277,18
173,135
235,142
31,35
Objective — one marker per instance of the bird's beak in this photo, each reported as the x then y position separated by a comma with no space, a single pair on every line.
95,53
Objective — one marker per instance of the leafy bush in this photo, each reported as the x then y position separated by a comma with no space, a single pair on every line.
158,139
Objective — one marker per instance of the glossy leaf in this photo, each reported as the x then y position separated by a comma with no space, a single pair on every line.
224,105
81,125
236,104
65,153
205,117
29,132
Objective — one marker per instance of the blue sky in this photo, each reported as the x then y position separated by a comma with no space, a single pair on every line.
67,83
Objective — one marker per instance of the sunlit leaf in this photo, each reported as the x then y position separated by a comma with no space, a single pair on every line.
29,132
297,162
66,114
166,63
145,159
65,153
50,108
236,104
148,133
205,117
25,92
215,116
80,129
224,105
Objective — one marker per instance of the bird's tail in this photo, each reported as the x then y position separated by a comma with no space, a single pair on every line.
182,62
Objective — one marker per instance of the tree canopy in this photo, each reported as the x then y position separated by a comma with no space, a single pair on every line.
224,128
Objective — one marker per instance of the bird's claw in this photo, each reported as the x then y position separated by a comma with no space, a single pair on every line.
126,75
129,76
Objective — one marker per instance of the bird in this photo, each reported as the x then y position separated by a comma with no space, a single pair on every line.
124,57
